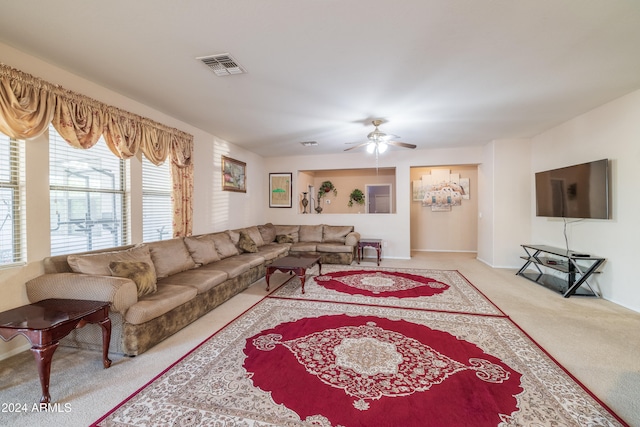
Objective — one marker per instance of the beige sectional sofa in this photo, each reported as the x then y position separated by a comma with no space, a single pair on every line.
157,288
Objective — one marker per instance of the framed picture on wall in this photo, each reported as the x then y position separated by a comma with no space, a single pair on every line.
280,195
234,175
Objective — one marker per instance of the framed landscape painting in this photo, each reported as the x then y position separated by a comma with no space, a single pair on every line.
280,190
234,175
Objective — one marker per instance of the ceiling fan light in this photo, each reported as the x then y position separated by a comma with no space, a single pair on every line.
382,147
371,148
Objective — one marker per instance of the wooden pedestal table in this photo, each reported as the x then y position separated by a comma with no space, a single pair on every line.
294,264
46,322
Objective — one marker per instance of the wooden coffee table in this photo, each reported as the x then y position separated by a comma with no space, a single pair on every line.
294,264
46,322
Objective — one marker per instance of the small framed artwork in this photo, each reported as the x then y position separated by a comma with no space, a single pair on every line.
234,175
280,190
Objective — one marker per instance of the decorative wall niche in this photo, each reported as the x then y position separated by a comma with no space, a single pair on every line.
345,181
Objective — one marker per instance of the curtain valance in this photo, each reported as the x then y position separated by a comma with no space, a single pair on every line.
29,104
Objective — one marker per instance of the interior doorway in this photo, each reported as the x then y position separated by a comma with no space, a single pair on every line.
378,198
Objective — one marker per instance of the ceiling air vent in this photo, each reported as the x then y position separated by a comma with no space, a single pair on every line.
222,64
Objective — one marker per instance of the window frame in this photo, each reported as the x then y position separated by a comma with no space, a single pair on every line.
119,193
157,193
16,212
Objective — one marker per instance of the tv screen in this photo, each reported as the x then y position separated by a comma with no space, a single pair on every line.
578,191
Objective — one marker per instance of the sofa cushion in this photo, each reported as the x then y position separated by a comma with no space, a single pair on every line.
292,230
272,250
224,245
334,248
310,233
170,257
202,249
202,280
143,274
336,233
253,259
165,299
255,235
246,243
267,232
98,263
303,247
232,266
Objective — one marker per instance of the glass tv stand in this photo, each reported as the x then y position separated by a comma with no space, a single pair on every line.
560,270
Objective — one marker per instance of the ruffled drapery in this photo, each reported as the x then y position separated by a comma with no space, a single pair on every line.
28,105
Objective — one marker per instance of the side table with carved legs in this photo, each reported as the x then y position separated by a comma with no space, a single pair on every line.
46,322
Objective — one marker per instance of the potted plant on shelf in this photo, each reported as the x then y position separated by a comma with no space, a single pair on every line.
357,197
325,187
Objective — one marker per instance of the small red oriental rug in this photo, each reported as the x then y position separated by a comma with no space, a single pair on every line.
289,362
442,290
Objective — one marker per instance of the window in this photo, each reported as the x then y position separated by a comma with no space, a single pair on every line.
157,210
12,221
87,194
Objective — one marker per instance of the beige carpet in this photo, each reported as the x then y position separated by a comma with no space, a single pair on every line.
595,340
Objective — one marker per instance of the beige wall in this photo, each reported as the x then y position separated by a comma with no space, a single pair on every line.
454,231
345,181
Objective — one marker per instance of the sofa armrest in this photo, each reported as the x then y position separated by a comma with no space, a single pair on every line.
352,239
120,292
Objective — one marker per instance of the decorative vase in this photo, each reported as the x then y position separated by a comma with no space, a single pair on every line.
305,202
319,209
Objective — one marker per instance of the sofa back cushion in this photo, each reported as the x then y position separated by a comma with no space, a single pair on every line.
336,233
255,235
98,263
170,257
267,232
202,249
224,245
310,233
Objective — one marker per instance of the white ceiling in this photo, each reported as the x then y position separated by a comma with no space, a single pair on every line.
440,73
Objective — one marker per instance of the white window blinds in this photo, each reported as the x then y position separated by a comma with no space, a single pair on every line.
157,210
87,191
12,218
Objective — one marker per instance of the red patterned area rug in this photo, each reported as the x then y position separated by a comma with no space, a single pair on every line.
289,362
442,290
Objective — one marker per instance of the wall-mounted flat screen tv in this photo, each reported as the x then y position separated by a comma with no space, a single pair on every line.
578,191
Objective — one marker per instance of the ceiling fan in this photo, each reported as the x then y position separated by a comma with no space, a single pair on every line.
378,141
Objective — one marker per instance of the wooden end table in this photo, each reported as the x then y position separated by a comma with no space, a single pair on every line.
369,243
46,322
294,264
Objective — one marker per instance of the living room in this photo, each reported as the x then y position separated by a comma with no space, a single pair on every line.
505,188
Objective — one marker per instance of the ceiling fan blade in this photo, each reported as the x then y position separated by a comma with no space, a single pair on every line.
357,146
401,144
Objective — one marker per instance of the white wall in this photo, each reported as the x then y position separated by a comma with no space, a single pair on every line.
511,201
611,131
394,229
486,177
213,209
